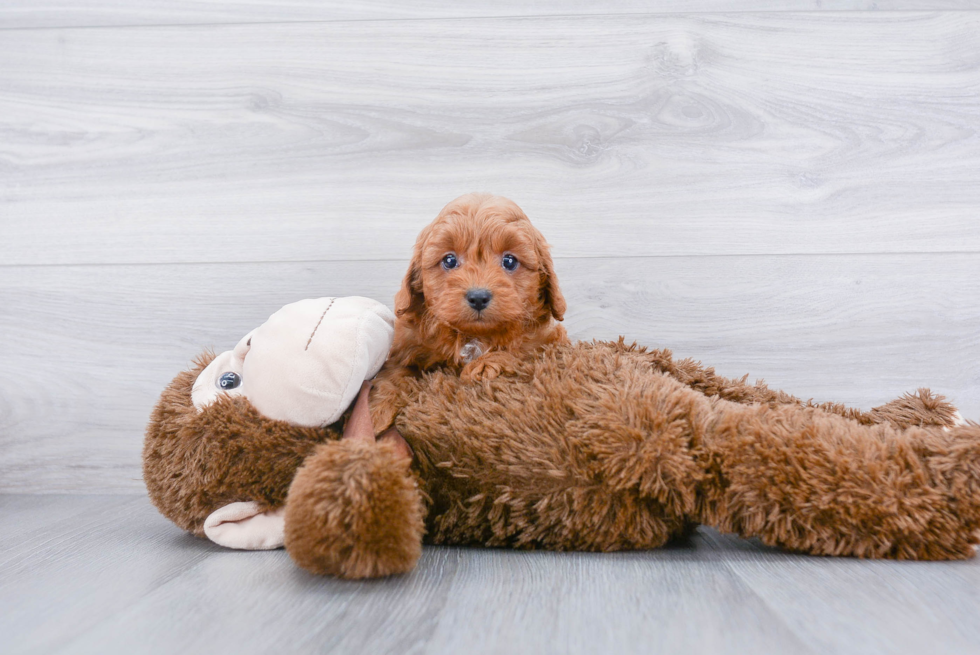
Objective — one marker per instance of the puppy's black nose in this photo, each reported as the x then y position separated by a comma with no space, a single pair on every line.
478,298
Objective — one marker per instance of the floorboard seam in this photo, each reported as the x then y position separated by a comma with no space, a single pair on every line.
422,19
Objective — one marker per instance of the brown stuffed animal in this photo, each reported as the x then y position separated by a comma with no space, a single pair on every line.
590,446
226,438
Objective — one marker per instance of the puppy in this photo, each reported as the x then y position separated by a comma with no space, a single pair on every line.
480,291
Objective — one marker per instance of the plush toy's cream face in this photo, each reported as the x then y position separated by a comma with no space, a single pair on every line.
305,364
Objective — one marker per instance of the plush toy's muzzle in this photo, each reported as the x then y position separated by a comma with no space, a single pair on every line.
304,365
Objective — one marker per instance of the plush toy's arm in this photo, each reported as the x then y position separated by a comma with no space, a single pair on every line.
359,426
248,525
919,409
354,509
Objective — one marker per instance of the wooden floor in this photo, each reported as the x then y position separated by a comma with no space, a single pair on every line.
107,574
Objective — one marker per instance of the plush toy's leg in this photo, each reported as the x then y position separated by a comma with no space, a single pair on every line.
245,525
798,477
354,511
811,481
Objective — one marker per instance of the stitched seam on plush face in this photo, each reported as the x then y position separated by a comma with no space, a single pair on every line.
332,300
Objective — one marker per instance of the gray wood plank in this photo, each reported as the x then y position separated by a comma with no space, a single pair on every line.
270,605
88,349
62,579
860,606
27,14
226,601
25,518
635,135
663,601
115,577
457,600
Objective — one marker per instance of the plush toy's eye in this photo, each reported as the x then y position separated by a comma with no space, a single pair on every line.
509,262
229,381
449,261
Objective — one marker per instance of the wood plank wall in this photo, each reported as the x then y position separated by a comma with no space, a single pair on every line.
791,191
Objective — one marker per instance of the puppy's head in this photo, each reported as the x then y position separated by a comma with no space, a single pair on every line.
481,268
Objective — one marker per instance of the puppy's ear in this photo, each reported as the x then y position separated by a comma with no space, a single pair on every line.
550,291
409,300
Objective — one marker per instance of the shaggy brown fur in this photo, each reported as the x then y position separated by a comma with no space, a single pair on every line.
592,447
195,462
919,409
340,515
600,446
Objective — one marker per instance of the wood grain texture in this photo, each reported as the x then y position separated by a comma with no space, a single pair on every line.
634,135
88,349
899,609
114,576
605,603
61,579
28,14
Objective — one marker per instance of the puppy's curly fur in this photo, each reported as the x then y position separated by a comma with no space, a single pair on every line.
434,320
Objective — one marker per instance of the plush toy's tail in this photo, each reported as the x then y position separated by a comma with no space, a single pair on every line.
815,482
354,510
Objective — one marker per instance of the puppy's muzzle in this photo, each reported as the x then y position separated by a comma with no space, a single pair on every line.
478,299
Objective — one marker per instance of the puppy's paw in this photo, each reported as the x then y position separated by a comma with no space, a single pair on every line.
385,403
478,371
383,416
488,366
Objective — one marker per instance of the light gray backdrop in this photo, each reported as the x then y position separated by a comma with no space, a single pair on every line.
791,195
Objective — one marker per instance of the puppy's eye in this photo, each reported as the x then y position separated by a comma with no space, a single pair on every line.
450,262
229,381
509,262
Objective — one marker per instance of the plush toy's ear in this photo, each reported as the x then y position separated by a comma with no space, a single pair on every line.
244,526
410,300
550,291
206,389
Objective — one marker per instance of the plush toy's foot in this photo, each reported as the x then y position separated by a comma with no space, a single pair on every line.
919,409
354,511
